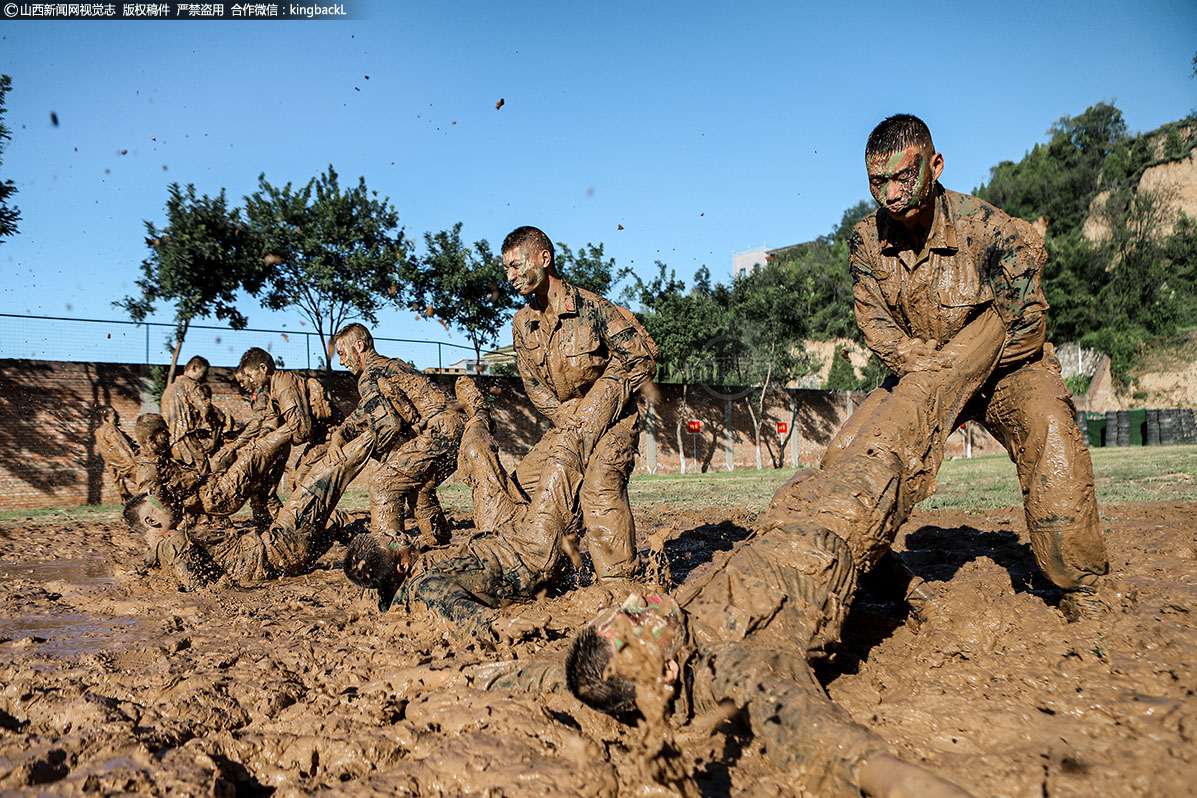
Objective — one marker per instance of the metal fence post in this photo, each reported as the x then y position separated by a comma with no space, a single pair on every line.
440,364
147,344
307,344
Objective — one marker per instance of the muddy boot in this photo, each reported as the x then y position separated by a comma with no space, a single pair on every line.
1083,604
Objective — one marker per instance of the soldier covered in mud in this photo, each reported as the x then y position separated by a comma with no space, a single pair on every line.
298,403
417,433
745,630
925,264
195,423
521,545
193,491
566,340
263,494
305,528
117,451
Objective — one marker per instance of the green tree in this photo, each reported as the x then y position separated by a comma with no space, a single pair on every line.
587,268
9,215
199,261
841,376
465,286
335,254
765,345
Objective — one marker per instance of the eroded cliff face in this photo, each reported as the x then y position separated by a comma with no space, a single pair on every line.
1174,183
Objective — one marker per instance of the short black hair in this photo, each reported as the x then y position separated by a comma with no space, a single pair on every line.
132,511
256,356
196,362
366,562
529,238
146,425
584,666
896,134
351,333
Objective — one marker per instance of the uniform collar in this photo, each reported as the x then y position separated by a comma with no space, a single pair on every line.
943,229
566,304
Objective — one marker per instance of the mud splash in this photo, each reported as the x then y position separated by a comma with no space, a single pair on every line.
300,686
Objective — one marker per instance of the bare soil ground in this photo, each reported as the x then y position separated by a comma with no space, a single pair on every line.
112,683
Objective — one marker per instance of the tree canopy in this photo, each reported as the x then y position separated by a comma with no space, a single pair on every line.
464,286
199,261
334,254
9,215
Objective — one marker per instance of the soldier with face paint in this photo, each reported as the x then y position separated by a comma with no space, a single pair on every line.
417,432
923,265
568,342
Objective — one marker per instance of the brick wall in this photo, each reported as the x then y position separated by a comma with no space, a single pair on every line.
47,442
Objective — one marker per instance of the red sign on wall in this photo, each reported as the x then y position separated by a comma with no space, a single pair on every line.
782,427
694,426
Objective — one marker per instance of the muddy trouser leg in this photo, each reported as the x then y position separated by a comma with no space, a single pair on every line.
860,419
1032,413
496,498
806,735
527,472
264,501
225,493
892,460
431,455
606,515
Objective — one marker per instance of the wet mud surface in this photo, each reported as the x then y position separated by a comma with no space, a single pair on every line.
116,683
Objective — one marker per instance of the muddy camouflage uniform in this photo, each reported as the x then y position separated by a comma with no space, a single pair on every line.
498,565
263,492
520,548
119,455
976,256
396,400
762,612
195,423
194,490
306,527
561,353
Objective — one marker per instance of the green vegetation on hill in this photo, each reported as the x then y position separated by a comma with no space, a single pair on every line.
1136,285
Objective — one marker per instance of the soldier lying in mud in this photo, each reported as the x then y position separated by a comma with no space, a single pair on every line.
193,490
303,531
521,545
744,631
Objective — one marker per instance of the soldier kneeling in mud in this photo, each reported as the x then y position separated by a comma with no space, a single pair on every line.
303,531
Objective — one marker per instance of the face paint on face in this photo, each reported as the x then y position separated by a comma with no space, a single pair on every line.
901,182
350,358
653,619
526,273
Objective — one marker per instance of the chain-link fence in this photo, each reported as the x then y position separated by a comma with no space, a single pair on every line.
98,341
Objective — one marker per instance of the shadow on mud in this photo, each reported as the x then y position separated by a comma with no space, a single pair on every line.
698,546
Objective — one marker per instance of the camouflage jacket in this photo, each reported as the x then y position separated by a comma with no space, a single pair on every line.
289,397
561,352
394,397
974,255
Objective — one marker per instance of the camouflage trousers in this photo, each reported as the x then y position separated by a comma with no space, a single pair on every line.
607,523
417,467
1029,409
305,528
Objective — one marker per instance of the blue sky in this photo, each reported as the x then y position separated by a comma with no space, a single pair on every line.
701,128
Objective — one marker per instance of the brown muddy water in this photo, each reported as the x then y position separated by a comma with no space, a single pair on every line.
112,683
